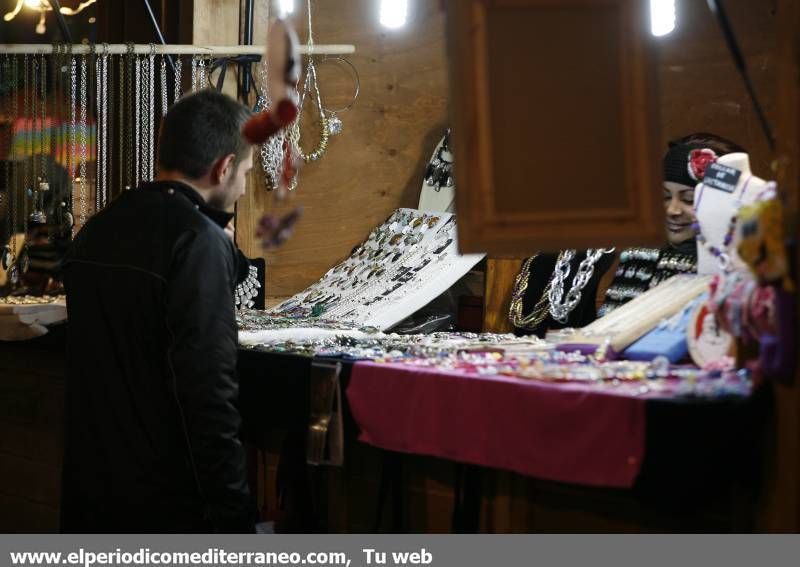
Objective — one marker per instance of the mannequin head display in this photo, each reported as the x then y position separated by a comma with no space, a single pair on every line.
729,185
685,164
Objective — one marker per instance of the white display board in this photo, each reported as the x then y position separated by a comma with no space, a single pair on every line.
406,262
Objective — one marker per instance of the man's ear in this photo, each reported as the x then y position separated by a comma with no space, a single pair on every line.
222,168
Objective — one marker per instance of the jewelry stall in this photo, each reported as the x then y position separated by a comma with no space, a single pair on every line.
477,325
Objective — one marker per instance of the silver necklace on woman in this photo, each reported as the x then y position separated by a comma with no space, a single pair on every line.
560,308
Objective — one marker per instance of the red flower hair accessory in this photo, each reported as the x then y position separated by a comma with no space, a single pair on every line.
699,161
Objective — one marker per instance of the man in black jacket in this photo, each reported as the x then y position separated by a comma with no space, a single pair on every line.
151,405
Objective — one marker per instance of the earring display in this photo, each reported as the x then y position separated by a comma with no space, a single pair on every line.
406,262
439,173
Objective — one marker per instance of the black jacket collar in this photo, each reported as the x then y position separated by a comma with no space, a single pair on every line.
218,216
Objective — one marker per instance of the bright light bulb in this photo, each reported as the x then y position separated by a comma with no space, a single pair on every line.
35,4
286,7
394,13
662,17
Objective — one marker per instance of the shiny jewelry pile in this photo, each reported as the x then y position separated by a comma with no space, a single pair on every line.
32,299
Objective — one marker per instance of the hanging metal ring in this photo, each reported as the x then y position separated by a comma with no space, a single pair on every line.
356,82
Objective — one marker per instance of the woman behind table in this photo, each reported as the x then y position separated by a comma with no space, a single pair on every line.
640,269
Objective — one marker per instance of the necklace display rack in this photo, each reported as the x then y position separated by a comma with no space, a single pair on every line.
405,263
92,110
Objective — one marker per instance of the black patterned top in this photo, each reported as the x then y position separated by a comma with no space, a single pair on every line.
641,269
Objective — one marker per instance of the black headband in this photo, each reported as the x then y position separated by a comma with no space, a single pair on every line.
686,163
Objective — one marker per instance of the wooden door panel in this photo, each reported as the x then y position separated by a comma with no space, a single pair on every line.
555,137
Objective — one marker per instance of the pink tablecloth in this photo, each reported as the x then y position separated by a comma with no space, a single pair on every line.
564,432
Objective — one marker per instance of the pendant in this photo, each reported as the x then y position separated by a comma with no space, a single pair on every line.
7,258
24,262
334,125
38,217
69,220
13,275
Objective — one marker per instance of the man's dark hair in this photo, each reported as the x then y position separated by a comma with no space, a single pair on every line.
199,129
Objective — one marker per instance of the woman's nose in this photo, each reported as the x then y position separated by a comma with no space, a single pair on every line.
674,208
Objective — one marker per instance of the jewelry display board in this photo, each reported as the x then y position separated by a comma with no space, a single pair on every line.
26,317
405,263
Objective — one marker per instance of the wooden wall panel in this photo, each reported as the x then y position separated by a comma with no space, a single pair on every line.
700,89
377,163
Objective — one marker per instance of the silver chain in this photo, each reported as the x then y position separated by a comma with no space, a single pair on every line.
560,311
73,136
98,181
201,73
102,141
163,80
151,115
194,73
271,151
137,117
178,66
145,121
84,142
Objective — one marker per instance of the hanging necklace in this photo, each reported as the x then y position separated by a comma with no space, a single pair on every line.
194,72
559,309
7,258
178,66
42,183
334,122
310,86
201,73
151,112
163,85
101,195
722,254
34,132
13,271
27,188
131,131
121,123
137,117
84,142
73,134
271,151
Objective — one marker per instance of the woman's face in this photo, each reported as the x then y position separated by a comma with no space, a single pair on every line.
679,209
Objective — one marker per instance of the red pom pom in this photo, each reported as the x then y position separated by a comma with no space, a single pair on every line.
699,160
259,128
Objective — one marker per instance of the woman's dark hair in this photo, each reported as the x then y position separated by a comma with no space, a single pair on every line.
200,129
720,145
